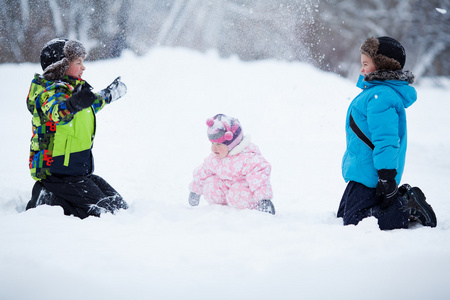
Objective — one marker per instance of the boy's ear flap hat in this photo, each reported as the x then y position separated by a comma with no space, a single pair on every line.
57,55
386,53
224,129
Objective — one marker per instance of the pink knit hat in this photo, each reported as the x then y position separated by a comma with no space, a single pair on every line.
224,130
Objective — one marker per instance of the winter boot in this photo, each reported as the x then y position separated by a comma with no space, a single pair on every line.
40,195
419,210
108,204
266,206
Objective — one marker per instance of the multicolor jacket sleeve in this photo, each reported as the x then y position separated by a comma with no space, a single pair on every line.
53,103
99,103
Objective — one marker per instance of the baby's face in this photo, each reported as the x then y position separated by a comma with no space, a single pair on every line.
219,150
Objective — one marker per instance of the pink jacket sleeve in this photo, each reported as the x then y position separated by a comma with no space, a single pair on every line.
200,175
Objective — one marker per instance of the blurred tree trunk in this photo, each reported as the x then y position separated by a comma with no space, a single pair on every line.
429,38
423,31
326,33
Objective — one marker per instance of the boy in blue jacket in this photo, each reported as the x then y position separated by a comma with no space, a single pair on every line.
374,160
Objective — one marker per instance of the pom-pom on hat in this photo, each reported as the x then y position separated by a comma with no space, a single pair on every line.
224,129
56,56
386,53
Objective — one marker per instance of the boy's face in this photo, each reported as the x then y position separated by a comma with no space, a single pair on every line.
219,150
367,65
76,68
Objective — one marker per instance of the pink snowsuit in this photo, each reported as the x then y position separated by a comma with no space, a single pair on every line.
241,179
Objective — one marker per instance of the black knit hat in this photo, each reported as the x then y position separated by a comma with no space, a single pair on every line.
386,53
57,55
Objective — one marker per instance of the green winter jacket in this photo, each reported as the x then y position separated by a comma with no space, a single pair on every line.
61,141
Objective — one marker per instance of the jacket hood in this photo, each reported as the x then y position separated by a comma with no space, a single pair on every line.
397,80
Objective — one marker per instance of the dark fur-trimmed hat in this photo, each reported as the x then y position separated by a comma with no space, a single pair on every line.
57,55
386,53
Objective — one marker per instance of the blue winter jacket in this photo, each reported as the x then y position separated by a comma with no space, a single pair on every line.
379,111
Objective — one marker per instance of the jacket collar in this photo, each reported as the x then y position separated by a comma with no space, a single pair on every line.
383,75
241,146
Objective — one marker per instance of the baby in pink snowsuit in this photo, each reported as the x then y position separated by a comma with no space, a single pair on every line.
235,173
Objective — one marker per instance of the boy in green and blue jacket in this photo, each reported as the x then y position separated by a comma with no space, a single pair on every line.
63,109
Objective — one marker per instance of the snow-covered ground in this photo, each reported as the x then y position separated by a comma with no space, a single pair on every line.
147,146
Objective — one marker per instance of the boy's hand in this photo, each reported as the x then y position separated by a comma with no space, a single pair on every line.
114,91
387,189
82,98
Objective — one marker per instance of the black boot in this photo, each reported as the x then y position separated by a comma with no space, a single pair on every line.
109,204
419,210
40,195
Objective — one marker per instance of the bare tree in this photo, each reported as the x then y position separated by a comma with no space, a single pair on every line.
429,38
326,33
251,29
26,25
416,24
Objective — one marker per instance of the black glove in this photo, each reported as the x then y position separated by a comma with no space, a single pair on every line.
387,188
194,199
114,91
81,98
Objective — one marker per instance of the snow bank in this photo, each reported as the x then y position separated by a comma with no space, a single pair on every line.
147,146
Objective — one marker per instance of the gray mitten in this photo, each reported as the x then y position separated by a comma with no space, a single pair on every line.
194,199
114,91
266,206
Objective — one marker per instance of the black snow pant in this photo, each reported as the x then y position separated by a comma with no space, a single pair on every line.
360,201
81,196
